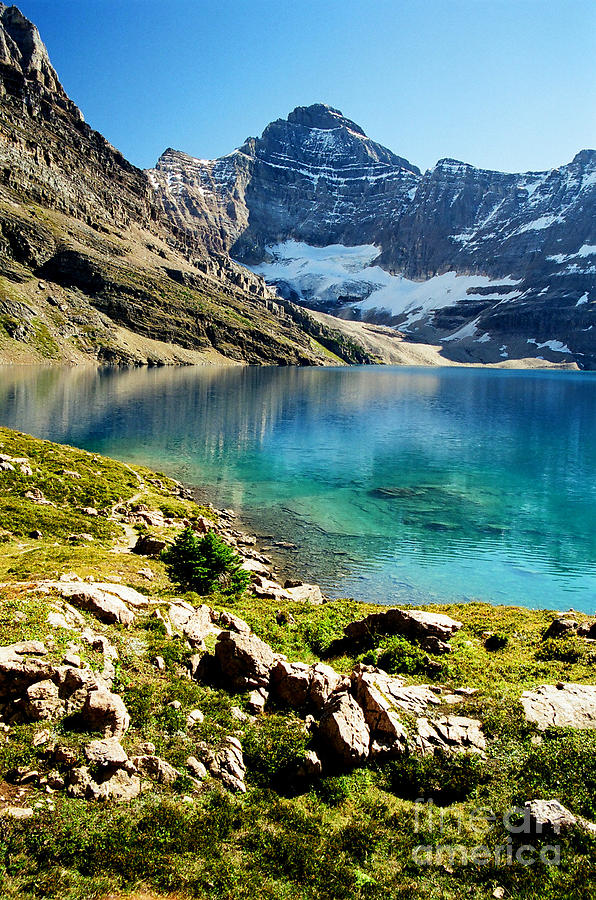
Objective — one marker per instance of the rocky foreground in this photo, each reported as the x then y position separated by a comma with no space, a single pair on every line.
269,744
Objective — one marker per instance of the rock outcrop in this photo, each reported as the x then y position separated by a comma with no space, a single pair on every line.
561,705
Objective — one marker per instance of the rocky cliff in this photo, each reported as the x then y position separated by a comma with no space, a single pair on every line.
494,266
90,267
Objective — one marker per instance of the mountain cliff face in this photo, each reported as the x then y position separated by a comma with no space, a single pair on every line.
91,267
494,266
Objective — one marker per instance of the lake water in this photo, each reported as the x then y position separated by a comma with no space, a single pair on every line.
395,484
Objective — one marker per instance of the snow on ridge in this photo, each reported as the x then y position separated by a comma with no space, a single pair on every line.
555,346
328,273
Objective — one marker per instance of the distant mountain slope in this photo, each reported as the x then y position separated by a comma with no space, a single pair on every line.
494,266
90,267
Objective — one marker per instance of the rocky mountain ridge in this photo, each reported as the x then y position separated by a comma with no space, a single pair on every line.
521,247
91,268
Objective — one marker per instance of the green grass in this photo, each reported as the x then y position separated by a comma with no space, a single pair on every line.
347,835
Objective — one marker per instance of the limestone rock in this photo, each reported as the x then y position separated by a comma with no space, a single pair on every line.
431,630
449,733
194,623
197,769
243,661
20,668
562,705
108,607
148,545
119,786
343,729
379,697
299,685
227,764
155,768
106,752
552,816
306,593
104,711
42,701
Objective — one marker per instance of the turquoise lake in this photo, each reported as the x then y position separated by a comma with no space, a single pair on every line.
395,484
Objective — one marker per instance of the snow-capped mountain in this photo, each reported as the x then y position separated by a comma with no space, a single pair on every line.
491,265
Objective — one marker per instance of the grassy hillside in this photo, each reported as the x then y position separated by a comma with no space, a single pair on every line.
350,833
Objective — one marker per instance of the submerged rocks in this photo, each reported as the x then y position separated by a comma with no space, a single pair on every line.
562,705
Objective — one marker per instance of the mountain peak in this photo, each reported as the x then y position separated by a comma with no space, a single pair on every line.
320,115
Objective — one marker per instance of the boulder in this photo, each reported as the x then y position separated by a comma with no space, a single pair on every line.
196,768
299,685
290,683
127,594
449,733
306,593
107,607
312,766
119,786
243,661
562,705
149,545
155,768
42,701
343,729
20,668
551,816
106,752
431,630
324,680
562,626
377,695
194,623
104,711
227,764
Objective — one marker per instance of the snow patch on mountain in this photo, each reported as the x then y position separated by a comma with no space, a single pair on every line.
347,276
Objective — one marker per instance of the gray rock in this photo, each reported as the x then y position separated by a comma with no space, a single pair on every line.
431,630
449,733
107,607
106,752
104,711
42,701
562,705
155,768
243,661
343,729
227,764
551,816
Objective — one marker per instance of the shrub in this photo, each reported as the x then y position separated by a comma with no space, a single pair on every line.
566,649
563,766
445,778
275,748
496,641
205,564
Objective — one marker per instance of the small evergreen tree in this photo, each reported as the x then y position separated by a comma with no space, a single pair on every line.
205,564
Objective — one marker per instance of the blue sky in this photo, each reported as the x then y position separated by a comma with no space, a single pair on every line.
503,84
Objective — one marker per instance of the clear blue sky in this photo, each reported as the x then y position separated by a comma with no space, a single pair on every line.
503,84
